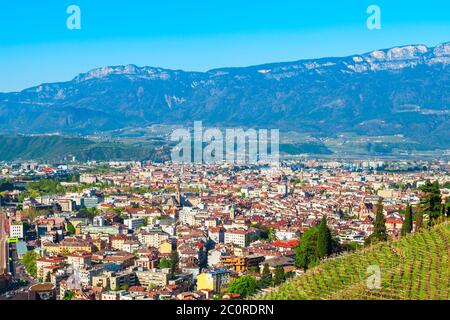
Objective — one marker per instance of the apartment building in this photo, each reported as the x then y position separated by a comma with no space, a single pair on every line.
214,280
155,277
239,237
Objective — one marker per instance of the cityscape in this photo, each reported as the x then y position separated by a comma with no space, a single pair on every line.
223,159
149,231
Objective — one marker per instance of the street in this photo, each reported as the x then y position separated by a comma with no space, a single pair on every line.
3,245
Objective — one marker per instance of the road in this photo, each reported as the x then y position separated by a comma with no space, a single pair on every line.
3,245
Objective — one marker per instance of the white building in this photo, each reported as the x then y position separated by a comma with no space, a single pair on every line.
133,223
16,230
239,237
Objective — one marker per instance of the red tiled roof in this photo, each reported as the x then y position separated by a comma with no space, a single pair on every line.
286,244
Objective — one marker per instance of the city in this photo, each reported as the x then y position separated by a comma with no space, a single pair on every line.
163,231
234,159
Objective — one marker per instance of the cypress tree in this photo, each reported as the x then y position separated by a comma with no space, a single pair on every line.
323,239
408,222
266,278
379,225
174,260
430,201
279,277
419,220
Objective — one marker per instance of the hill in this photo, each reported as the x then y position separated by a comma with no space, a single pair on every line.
58,148
396,91
415,267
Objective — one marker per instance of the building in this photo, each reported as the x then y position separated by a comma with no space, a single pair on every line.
241,263
133,223
215,280
86,275
91,229
89,202
67,205
112,295
16,230
216,234
130,246
88,179
154,277
274,263
153,238
79,260
45,265
114,280
98,221
146,262
119,280
239,237
42,291
117,241
66,247
166,247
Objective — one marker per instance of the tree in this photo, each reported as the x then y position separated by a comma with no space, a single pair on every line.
306,251
266,277
69,295
48,277
443,210
271,234
253,269
244,286
279,277
379,226
164,264
70,228
430,201
174,259
29,261
419,220
324,241
408,222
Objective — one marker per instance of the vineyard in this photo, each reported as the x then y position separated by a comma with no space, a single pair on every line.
415,267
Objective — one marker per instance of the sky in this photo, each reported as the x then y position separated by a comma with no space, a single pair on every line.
36,46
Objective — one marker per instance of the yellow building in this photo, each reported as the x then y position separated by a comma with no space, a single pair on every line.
241,263
215,280
165,248
68,247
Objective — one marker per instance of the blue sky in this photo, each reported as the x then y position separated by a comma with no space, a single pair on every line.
37,47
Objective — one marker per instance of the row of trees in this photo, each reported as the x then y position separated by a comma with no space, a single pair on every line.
269,280
317,243
430,209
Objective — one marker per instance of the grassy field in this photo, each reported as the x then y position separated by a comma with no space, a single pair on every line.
415,267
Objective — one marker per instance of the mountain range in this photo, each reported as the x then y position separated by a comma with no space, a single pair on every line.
398,91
